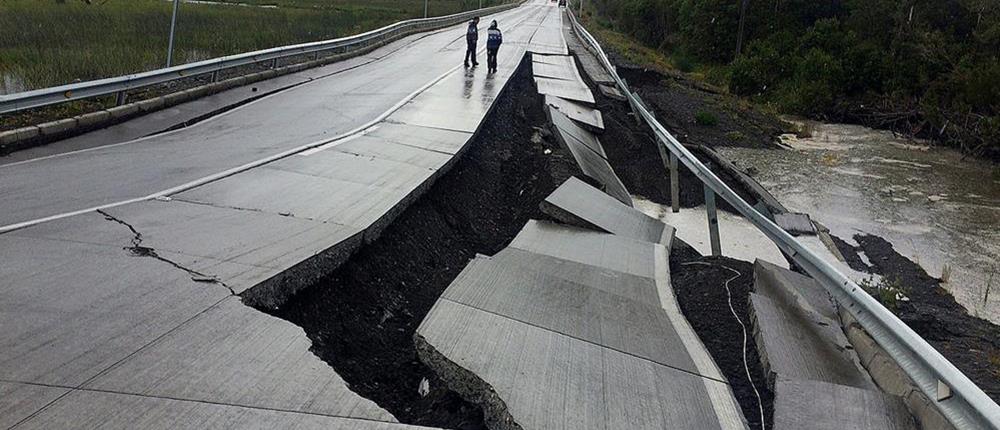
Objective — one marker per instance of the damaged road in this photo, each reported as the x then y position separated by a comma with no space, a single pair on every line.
138,250
361,319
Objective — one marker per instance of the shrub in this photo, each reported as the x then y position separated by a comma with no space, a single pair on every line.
706,118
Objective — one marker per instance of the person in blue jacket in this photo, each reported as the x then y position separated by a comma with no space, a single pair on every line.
471,37
493,40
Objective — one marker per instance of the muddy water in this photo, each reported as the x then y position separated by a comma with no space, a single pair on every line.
939,210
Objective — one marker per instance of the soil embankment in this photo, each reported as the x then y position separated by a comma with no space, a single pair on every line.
361,319
970,343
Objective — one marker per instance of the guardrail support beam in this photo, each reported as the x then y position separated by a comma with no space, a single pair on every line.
215,76
713,222
675,185
121,98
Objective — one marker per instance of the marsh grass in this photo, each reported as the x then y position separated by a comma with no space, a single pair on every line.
44,43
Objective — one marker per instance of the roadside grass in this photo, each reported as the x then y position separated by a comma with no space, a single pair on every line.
666,63
44,43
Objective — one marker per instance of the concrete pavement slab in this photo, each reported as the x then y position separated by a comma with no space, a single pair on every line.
431,139
577,112
562,121
374,172
234,354
378,148
19,401
588,61
632,287
798,346
591,163
601,250
793,290
823,406
572,309
566,72
348,206
569,90
71,310
542,379
580,204
562,61
548,39
102,410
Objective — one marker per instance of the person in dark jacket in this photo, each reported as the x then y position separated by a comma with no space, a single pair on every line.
471,37
493,41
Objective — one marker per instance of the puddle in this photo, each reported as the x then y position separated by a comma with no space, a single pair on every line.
934,207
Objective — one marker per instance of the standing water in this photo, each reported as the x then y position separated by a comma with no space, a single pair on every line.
936,208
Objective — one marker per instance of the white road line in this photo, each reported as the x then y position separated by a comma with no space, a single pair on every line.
229,172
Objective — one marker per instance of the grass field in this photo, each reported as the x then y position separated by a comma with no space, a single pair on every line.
46,42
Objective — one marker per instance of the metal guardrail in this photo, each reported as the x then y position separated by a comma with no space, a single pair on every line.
959,400
120,85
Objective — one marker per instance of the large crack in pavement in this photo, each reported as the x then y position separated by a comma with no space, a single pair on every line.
137,249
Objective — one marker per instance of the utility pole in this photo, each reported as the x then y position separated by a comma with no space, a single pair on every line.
170,44
581,9
425,8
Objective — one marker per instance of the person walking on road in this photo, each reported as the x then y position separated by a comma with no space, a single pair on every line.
493,40
471,37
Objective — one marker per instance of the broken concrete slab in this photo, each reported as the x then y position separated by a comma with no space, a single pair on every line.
824,406
102,410
234,354
612,91
580,204
530,377
632,287
19,401
570,90
794,345
577,112
795,223
572,309
588,247
564,124
591,162
591,66
564,70
793,290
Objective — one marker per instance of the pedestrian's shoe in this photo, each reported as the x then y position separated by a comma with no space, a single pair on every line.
474,64
466,64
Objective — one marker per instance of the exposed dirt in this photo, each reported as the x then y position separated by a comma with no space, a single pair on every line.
700,285
362,318
632,152
677,100
971,343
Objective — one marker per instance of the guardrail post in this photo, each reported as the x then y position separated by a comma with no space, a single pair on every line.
215,76
713,222
675,186
274,63
121,98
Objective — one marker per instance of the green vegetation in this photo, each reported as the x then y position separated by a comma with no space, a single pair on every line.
51,42
924,67
888,293
706,118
